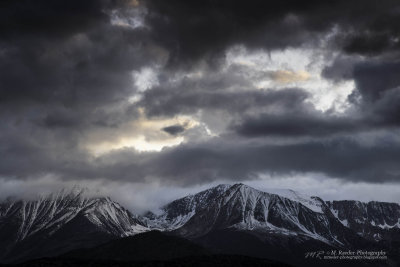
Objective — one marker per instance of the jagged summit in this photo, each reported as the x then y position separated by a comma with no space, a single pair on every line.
68,215
71,218
178,212
236,206
311,202
241,207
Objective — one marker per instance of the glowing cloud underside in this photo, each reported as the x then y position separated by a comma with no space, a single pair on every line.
293,67
143,134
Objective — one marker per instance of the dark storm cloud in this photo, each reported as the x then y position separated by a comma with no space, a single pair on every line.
65,70
379,34
342,68
386,110
376,110
298,124
181,101
195,30
374,78
174,129
338,158
192,30
195,164
378,84
377,81
81,69
46,17
375,102
368,43
62,64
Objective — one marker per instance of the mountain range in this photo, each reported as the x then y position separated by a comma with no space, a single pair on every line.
235,219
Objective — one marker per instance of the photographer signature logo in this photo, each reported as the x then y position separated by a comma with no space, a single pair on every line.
346,255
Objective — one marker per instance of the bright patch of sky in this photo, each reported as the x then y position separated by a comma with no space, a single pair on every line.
143,134
293,67
145,79
132,16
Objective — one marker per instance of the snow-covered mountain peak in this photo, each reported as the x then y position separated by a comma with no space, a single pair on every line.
313,203
242,186
178,212
194,199
239,202
219,189
49,213
277,213
246,208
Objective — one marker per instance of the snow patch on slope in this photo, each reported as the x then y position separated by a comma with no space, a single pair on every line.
387,226
50,213
310,202
336,214
171,218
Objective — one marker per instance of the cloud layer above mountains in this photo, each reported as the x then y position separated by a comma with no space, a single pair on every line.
183,93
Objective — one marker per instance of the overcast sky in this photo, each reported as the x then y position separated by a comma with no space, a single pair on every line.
150,100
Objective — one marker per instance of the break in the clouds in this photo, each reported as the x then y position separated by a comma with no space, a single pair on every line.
179,93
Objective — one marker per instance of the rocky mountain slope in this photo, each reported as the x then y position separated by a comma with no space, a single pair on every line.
283,212
280,224
234,219
59,222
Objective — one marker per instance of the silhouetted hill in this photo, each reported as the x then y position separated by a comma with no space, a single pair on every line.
152,245
193,261
149,249
281,225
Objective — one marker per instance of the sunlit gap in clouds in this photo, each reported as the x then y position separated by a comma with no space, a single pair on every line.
267,70
143,134
131,16
293,68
